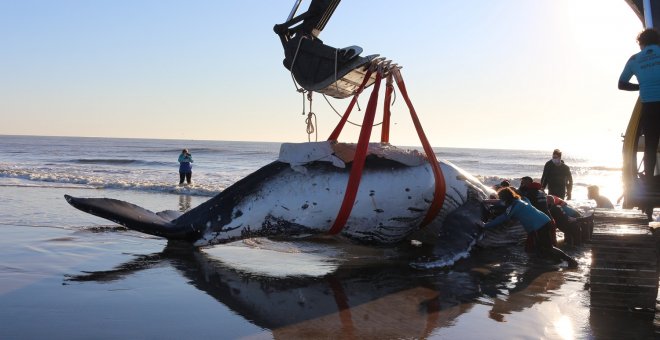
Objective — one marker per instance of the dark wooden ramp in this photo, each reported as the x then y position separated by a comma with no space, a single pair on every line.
624,267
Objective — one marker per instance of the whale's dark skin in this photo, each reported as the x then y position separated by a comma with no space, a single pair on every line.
278,201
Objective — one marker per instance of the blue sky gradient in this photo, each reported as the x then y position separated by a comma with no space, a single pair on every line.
488,74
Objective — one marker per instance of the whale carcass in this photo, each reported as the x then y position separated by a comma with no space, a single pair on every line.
301,193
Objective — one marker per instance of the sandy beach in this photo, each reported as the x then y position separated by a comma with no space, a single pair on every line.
84,278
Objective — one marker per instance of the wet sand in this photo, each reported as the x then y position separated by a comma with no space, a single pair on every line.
66,274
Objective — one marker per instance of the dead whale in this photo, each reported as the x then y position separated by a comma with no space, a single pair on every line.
301,193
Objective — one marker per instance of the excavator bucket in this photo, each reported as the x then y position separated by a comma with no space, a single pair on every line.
328,70
336,72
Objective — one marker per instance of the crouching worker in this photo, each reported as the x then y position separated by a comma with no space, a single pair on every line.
537,225
576,229
593,193
568,225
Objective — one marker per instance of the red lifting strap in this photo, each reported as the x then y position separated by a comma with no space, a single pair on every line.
385,130
440,186
358,160
335,134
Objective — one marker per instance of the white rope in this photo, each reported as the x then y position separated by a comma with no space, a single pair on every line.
293,62
340,116
300,90
303,101
310,126
336,62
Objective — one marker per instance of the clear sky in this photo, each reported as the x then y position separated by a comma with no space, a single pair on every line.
521,74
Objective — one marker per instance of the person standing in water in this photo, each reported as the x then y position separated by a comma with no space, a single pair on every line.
185,166
645,66
537,225
557,177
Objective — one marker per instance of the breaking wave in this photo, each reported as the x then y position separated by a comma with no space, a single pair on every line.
55,178
114,161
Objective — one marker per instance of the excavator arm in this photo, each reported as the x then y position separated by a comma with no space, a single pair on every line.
313,21
314,65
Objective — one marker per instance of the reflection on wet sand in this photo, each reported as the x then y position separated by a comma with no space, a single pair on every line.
184,203
526,289
382,300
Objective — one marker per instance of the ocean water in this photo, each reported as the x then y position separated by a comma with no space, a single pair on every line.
150,165
65,274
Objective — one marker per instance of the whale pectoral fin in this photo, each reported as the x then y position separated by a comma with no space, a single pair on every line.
455,237
134,217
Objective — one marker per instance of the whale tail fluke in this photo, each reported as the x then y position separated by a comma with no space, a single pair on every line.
135,217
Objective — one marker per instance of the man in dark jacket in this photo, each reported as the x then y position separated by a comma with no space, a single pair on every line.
557,177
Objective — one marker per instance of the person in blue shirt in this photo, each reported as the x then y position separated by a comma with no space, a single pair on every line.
185,166
645,66
537,224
